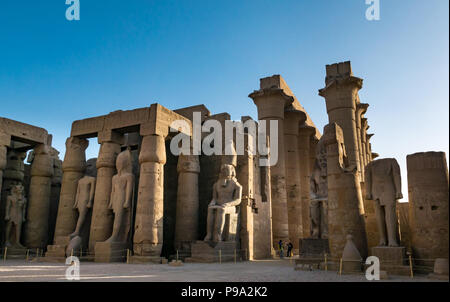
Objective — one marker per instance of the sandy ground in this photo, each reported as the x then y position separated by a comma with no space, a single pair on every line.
257,271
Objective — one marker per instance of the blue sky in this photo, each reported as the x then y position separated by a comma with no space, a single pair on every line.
130,54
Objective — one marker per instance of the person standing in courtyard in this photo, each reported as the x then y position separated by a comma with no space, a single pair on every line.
280,246
289,249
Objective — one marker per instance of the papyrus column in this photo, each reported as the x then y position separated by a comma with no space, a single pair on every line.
293,119
5,140
148,231
73,167
271,103
102,217
361,109
36,225
304,158
186,223
344,193
341,94
369,147
364,127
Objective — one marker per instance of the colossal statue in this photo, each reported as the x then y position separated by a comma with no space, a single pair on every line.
319,195
227,194
383,186
85,195
121,197
15,215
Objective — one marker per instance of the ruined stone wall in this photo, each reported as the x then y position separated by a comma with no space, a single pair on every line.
428,205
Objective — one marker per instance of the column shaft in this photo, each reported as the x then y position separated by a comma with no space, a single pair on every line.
73,168
36,225
186,223
148,235
102,217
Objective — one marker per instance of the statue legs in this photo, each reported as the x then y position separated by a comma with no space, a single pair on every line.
8,233
118,217
80,222
380,216
391,223
215,224
324,220
314,209
220,222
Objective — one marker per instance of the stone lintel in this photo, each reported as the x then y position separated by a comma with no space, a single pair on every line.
21,132
187,112
110,136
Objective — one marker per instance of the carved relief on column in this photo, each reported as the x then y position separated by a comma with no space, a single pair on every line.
102,216
36,227
345,216
148,231
73,167
186,223
361,109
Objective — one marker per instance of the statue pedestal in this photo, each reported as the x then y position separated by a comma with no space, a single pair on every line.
392,259
312,252
110,252
136,259
208,252
16,252
57,251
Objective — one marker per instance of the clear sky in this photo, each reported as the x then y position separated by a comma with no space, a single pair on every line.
130,54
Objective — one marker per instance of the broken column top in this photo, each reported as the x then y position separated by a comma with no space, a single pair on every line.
340,71
277,81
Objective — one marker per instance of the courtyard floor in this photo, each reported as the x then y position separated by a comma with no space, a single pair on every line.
256,271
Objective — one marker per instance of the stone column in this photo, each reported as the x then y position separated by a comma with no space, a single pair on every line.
364,127
186,223
369,147
293,119
5,140
102,217
428,206
13,174
304,158
361,109
271,103
344,193
73,168
148,232
341,93
36,225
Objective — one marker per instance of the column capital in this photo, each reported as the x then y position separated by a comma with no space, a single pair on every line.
153,149
368,136
361,108
74,159
42,164
271,102
292,120
305,130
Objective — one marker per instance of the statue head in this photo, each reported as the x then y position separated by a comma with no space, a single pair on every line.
227,172
123,162
91,168
17,190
